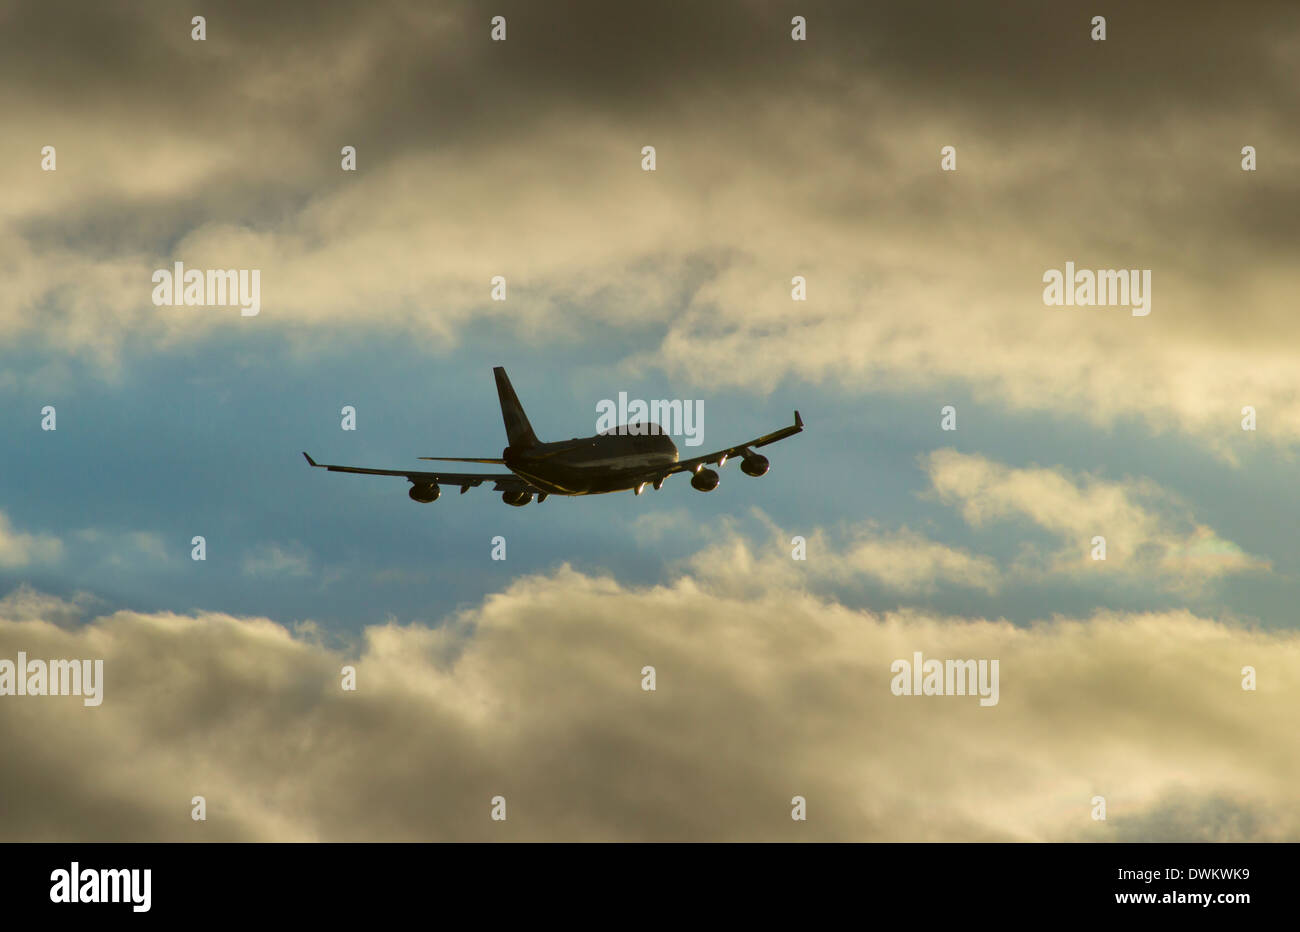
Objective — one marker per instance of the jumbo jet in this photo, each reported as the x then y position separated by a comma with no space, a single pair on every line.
614,461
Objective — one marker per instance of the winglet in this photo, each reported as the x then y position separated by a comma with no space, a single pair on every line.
309,459
798,421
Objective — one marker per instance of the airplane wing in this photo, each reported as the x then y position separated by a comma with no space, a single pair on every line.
721,456
504,482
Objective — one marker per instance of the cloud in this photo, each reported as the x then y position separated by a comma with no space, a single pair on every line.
271,560
911,562
902,560
20,549
535,695
531,169
1148,531
124,549
27,604
668,524
1185,817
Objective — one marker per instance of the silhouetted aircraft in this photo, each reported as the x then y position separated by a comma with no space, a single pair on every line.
613,461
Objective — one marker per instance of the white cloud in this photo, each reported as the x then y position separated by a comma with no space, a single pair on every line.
27,604
123,549
269,560
903,560
1147,530
535,695
21,549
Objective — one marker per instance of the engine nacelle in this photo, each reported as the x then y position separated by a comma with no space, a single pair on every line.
518,499
424,492
754,465
706,480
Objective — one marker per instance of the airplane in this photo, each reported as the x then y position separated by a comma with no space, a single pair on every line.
613,461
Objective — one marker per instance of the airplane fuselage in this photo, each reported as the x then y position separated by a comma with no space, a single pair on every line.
610,462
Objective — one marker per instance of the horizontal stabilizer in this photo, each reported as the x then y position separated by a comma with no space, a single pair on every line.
465,459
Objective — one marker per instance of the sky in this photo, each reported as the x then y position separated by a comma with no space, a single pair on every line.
524,677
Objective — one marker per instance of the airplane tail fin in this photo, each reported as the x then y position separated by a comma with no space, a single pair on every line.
518,430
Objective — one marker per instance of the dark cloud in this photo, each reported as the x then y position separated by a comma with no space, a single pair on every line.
407,71
1187,817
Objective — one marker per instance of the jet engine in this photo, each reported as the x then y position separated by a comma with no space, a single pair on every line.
424,492
706,480
518,499
754,465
